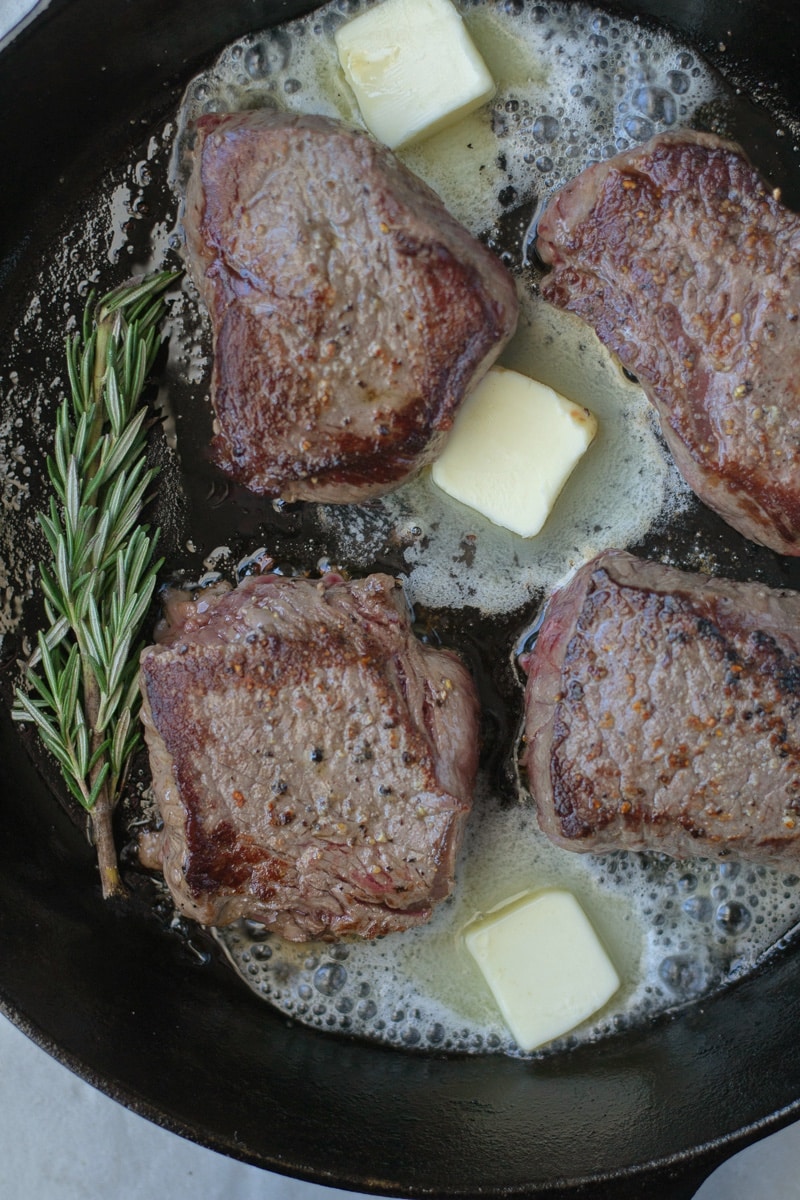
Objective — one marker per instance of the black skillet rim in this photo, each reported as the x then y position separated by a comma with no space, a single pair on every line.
50,910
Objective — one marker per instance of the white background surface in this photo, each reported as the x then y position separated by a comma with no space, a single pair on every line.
60,1139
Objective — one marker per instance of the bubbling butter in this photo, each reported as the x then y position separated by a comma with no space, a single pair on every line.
573,85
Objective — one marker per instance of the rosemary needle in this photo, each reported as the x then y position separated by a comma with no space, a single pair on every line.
82,681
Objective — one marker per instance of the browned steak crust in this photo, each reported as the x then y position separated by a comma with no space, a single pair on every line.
313,761
351,313
688,267
663,713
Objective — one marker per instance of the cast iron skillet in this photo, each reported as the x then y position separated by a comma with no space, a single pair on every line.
124,1004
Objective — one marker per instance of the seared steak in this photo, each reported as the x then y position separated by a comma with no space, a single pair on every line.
663,713
351,313
688,267
313,762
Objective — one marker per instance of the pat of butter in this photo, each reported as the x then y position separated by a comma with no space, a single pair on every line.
413,68
544,963
514,444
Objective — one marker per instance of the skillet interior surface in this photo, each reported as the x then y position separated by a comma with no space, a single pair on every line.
128,1005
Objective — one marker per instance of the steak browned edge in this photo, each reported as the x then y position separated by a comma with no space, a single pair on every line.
662,712
687,265
312,760
350,312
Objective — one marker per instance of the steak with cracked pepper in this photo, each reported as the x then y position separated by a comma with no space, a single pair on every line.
663,713
312,760
688,267
350,312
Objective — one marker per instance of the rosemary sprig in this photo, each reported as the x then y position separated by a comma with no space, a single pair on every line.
82,680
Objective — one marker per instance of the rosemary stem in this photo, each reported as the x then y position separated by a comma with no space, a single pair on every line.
105,332
103,809
103,837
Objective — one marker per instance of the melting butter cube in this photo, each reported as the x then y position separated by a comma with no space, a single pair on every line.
413,68
544,963
514,444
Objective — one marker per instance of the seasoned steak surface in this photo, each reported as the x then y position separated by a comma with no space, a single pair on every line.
663,713
688,267
313,762
350,312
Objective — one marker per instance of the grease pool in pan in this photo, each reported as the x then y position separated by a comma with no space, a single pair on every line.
583,86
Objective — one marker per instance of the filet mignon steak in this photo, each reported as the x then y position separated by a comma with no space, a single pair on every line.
313,761
688,267
662,712
350,312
